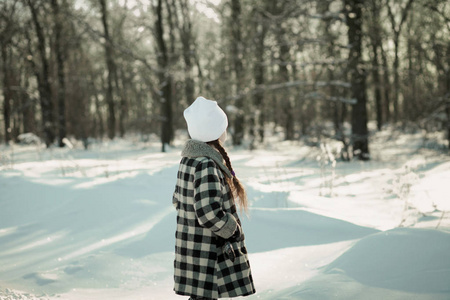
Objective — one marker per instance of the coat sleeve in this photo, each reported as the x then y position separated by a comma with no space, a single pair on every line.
208,201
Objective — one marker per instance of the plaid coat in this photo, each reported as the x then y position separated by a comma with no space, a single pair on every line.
206,214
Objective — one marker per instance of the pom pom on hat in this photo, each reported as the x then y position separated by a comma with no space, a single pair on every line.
206,121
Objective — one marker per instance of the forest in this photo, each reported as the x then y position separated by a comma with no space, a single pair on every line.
99,69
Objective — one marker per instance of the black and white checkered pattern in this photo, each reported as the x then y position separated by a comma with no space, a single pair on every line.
205,210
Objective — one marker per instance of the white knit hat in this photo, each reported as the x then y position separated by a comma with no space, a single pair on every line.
206,121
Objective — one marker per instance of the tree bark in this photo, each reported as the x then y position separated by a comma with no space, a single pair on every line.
111,72
397,28
386,86
376,42
331,53
236,53
99,127
257,119
278,8
284,74
61,77
187,41
44,82
6,93
396,81
28,109
124,101
377,88
409,105
447,84
165,80
354,19
447,111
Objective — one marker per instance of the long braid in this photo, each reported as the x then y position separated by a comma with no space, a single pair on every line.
236,186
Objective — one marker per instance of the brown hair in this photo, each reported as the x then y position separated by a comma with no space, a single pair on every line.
236,186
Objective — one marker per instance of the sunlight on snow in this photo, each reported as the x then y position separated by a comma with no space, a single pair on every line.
7,231
101,224
266,160
106,179
37,243
121,237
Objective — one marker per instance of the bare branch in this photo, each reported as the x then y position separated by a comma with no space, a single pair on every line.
122,49
293,84
322,96
398,28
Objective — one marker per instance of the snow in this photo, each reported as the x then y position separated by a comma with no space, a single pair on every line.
99,224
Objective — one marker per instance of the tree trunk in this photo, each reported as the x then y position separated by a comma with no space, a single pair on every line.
284,74
447,94
446,75
376,83
170,19
375,40
396,29
257,117
386,86
442,63
28,109
61,78
354,21
396,82
187,41
100,128
6,93
44,82
331,53
165,80
284,58
236,45
111,71
409,102
7,31
123,107
447,111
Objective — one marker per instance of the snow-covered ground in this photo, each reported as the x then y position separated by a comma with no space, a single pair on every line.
99,224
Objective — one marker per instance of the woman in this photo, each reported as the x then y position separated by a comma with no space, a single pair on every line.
210,256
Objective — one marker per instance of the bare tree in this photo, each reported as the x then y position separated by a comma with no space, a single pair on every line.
354,19
188,42
58,21
386,85
165,78
111,71
282,55
286,101
6,34
43,78
375,41
397,29
257,117
236,53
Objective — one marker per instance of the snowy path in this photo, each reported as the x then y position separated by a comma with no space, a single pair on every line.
99,224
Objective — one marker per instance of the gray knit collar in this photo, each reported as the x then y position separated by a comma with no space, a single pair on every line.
194,148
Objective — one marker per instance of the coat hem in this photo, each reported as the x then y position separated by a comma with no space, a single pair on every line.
220,296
